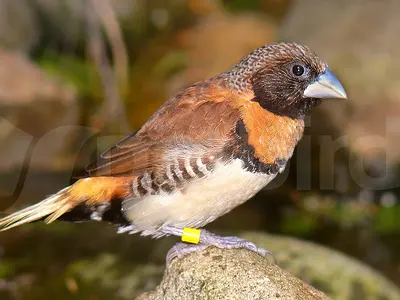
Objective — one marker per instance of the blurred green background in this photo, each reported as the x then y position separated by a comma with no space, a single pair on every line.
77,75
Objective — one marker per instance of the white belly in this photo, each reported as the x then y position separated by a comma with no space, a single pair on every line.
200,202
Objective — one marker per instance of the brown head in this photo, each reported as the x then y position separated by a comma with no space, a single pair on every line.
286,79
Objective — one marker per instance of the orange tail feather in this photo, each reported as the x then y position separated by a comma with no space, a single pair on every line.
90,191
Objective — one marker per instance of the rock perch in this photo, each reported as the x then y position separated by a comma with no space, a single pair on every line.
229,274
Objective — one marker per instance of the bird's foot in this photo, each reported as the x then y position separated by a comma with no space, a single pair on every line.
210,239
229,242
180,250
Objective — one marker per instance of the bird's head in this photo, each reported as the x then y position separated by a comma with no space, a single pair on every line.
288,79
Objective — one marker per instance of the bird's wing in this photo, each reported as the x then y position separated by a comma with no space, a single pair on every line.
200,121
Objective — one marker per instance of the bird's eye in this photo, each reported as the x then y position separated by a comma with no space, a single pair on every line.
298,70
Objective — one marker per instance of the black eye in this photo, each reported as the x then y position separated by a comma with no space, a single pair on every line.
298,70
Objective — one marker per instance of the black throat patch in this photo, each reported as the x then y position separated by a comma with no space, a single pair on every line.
296,110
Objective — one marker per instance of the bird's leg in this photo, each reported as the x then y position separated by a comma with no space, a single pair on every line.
197,239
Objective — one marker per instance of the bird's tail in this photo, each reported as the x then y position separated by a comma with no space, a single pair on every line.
78,202
51,208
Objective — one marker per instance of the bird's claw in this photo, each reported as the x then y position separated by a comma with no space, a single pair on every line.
180,250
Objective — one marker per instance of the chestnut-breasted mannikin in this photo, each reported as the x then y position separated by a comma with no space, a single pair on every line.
207,150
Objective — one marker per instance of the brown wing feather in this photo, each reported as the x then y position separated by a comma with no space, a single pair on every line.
202,114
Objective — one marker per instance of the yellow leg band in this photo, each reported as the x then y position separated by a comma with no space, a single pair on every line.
191,235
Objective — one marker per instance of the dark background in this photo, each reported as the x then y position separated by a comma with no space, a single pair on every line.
75,77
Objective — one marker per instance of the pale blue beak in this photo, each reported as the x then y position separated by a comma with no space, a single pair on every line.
325,86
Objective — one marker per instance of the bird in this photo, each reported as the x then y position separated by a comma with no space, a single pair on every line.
206,150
